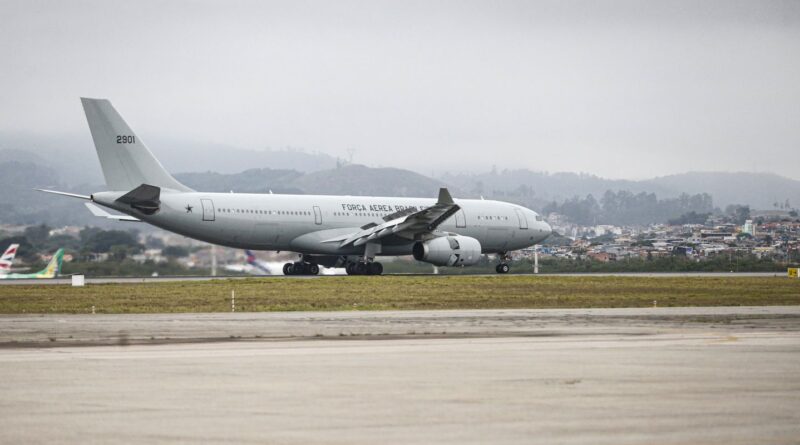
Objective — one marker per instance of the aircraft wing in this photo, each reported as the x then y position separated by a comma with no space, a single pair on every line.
410,224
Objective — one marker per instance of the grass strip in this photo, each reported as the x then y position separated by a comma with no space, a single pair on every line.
400,293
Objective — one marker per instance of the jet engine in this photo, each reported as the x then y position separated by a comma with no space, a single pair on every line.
448,251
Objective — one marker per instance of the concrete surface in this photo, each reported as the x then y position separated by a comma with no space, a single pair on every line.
86,329
603,376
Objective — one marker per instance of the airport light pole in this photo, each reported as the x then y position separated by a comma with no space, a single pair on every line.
213,260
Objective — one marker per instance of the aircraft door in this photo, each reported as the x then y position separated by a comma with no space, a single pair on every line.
208,209
523,221
317,215
461,220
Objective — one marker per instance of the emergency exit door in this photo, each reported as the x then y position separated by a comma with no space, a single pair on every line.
461,220
523,221
208,209
317,215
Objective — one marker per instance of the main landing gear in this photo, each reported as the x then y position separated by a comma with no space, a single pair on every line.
300,268
364,268
503,267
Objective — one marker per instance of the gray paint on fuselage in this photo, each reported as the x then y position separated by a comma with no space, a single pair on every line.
287,222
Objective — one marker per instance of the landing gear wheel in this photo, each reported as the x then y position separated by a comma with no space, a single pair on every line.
360,268
374,269
350,269
313,269
287,269
502,268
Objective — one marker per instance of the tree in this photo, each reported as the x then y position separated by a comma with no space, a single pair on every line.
120,251
102,241
25,250
37,234
175,251
689,218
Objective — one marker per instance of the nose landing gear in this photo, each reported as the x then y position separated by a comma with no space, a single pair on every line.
503,267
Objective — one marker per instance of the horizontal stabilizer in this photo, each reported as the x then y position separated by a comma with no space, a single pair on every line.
71,195
97,211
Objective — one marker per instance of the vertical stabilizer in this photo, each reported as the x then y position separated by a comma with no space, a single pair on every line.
125,160
53,267
8,259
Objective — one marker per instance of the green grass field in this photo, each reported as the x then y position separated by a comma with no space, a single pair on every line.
392,292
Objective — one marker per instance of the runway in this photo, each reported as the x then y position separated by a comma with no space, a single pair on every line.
595,376
134,280
103,329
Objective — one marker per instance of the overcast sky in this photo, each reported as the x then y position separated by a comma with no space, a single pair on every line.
619,89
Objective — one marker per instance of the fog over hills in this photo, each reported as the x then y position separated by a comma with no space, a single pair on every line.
345,180
759,190
76,161
71,164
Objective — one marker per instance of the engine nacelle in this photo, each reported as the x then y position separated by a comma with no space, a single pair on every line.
448,251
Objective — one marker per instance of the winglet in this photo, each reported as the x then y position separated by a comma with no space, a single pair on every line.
444,197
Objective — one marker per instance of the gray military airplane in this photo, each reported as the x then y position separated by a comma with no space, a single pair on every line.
332,231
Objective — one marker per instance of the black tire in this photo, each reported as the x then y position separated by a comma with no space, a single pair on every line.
504,268
497,269
313,269
287,269
361,268
300,268
374,269
349,268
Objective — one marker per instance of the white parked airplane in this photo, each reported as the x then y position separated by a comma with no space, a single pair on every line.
8,259
334,231
253,265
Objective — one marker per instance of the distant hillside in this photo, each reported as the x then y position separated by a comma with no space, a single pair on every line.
346,180
361,180
759,190
21,204
75,159
70,164
541,186
254,180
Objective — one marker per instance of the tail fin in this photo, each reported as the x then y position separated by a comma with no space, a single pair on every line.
53,267
253,261
251,257
125,160
8,258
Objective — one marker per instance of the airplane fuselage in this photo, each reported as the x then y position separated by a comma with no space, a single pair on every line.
302,223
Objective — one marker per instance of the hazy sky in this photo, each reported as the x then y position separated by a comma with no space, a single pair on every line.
620,89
